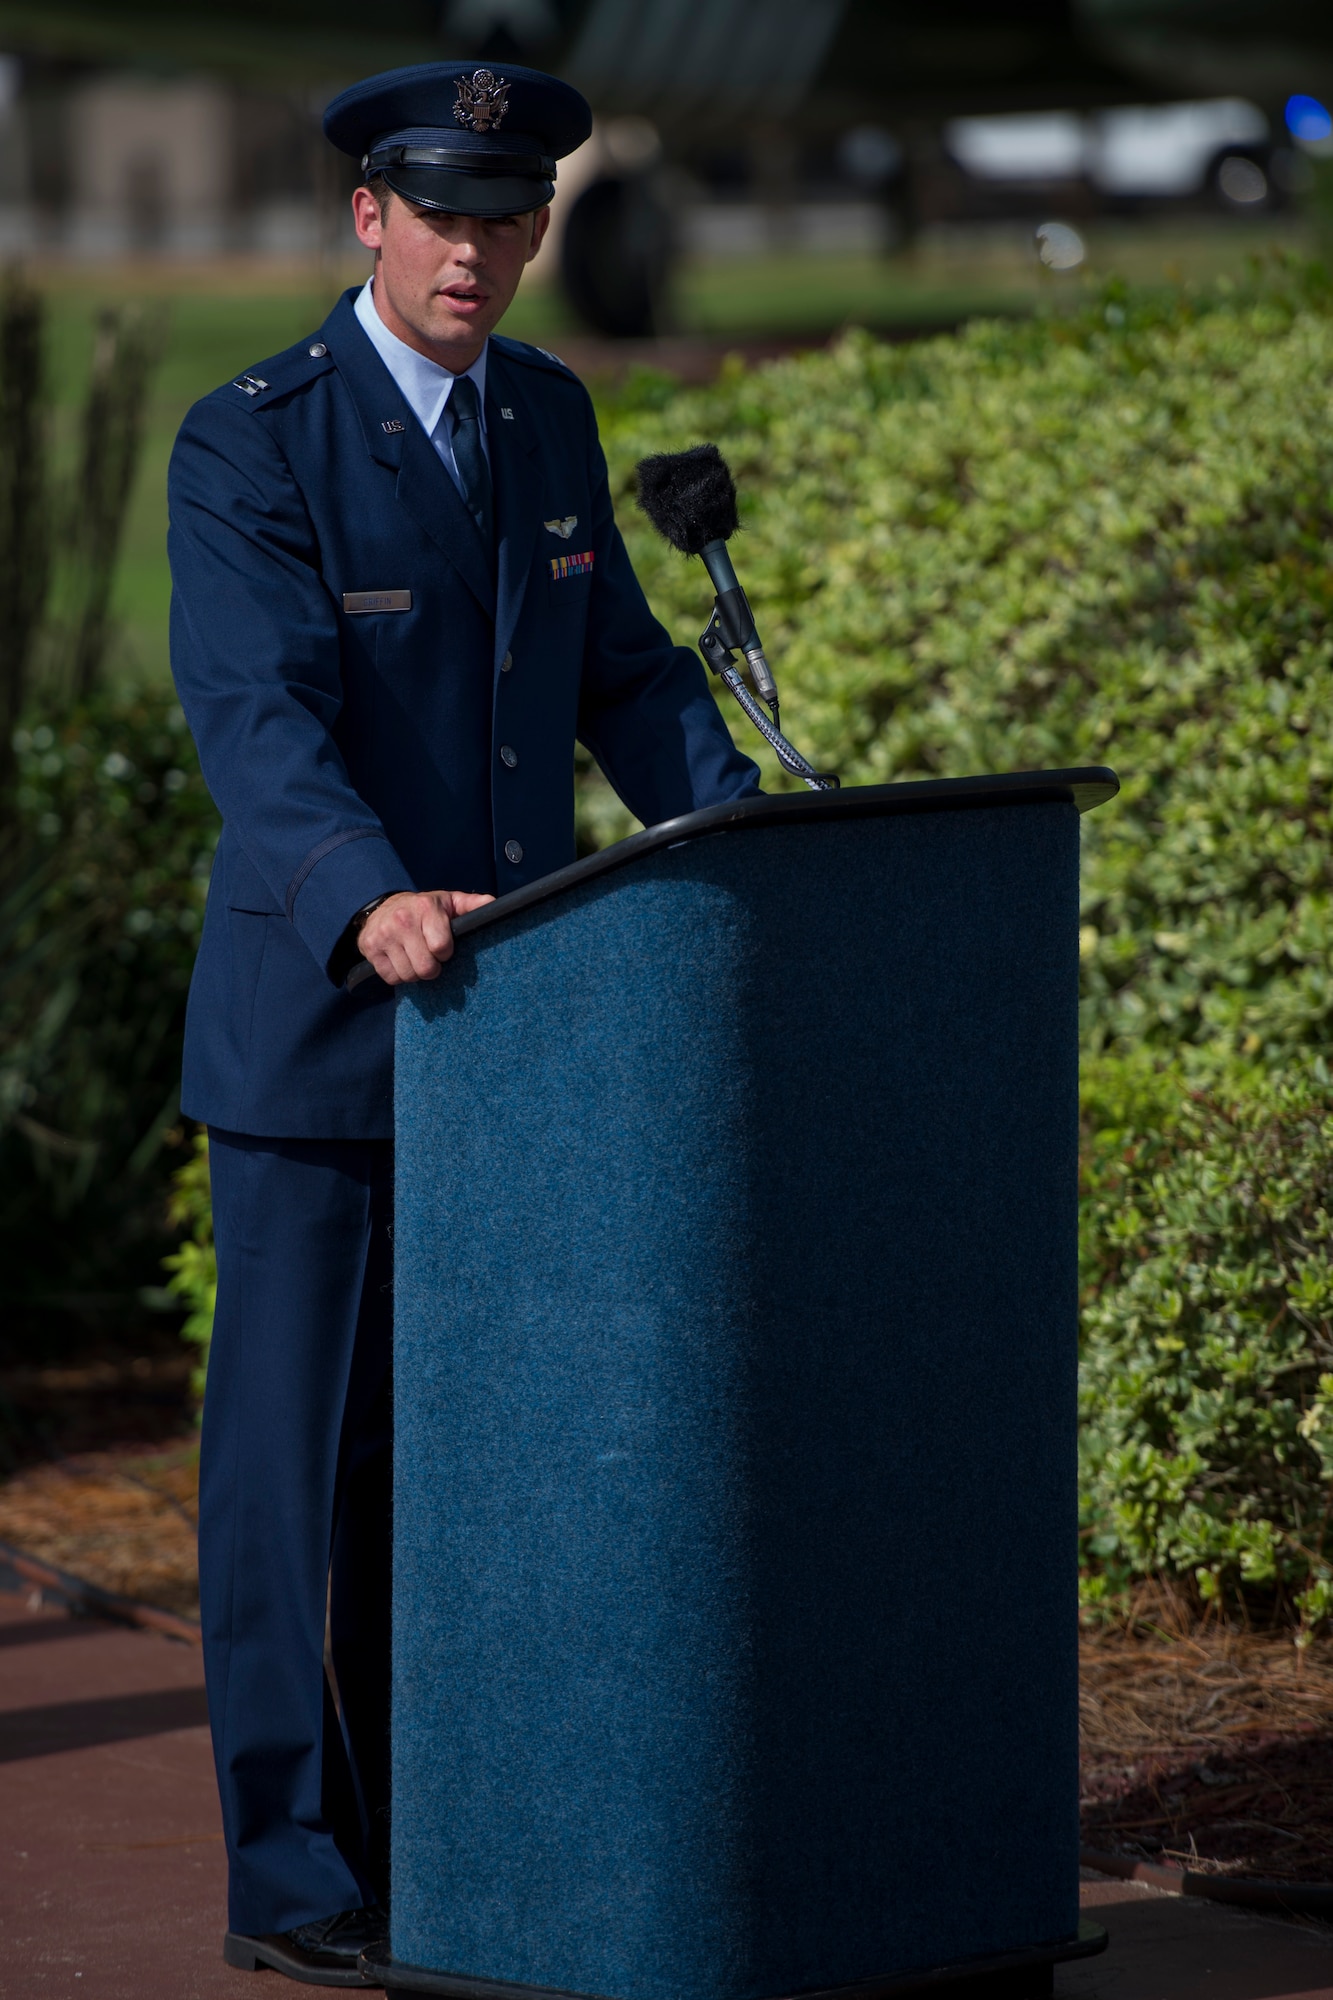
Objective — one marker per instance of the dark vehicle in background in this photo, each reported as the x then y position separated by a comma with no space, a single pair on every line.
891,122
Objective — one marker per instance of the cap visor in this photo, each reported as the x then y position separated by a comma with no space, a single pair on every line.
455,193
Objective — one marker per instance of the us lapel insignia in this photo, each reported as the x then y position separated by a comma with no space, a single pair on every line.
563,527
508,415
393,425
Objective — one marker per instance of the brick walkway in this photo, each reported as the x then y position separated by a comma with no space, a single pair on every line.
111,1867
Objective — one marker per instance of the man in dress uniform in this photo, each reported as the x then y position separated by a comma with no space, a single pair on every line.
399,598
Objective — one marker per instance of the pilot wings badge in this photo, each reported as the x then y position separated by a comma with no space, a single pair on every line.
482,103
563,527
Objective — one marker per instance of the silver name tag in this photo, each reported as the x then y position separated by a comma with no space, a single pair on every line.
377,600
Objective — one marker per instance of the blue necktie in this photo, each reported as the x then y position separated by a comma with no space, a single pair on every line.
470,456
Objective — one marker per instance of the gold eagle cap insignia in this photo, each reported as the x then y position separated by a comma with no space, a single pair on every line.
563,527
481,103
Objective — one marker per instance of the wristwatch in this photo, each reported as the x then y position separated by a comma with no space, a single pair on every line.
359,920
347,951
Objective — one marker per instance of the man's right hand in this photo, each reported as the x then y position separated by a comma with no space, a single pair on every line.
411,936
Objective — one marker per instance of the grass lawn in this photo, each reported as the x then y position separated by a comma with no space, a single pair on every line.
957,275
224,318
811,295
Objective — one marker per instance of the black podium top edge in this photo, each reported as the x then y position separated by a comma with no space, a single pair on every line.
1085,787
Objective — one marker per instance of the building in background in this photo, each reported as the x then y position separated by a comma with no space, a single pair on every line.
151,166
124,162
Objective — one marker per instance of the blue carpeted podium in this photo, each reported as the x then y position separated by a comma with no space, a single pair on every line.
734,1590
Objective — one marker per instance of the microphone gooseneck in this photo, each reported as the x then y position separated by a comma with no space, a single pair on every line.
690,498
788,755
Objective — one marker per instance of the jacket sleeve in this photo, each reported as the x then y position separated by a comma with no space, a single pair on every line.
645,710
256,659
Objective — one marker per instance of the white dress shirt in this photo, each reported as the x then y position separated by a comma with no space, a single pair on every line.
425,385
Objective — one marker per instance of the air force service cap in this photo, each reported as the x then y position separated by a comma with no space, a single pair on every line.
465,140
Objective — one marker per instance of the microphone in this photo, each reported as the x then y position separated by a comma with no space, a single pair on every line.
690,498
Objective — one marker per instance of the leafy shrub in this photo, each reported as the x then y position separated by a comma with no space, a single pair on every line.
120,833
1207,1223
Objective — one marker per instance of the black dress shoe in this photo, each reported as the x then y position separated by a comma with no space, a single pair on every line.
320,1954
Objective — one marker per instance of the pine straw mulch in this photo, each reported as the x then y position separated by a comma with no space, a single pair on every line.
1203,1746
122,1518
1207,1747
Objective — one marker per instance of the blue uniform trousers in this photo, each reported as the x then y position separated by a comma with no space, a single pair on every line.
295,1493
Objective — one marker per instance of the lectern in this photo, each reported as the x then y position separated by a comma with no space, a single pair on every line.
734,1623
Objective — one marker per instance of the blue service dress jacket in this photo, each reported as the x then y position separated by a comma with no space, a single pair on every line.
381,703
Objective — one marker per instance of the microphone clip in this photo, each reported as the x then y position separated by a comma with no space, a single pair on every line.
718,650
733,625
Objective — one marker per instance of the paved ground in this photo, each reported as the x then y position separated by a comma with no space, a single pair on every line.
111,1866
111,1870
1165,1948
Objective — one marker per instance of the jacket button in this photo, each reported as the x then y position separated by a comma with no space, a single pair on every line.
513,852
506,663
508,756
318,351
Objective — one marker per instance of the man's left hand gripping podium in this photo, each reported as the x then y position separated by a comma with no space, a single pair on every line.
734,1623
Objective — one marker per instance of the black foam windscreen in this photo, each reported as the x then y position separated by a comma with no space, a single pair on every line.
689,496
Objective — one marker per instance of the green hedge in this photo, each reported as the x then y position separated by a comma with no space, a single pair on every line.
1104,540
